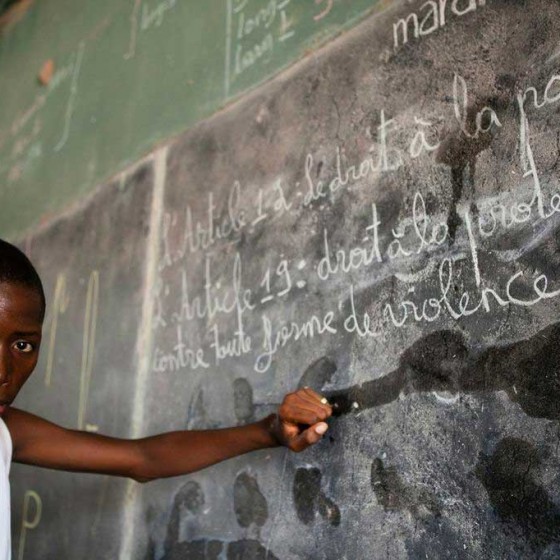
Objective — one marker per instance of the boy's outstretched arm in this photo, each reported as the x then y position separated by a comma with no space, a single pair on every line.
299,423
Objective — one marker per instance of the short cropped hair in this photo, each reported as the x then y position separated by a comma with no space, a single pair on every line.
16,268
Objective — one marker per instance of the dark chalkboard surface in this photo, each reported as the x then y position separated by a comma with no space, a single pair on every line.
386,216
379,222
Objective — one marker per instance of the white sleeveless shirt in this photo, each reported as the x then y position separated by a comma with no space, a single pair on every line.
5,506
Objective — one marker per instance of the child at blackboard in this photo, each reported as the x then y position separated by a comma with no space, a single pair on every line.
25,438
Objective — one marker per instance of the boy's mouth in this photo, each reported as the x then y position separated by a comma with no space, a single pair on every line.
3,408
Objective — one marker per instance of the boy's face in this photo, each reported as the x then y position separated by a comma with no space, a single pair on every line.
20,338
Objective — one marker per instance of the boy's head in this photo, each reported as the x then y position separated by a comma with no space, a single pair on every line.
16,268
22,310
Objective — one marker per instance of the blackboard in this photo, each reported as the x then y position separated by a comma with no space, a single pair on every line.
127,75
379,221
93,276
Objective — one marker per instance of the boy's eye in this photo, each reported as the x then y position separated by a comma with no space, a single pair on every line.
24,346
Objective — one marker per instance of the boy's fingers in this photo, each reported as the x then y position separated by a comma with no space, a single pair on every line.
315,399
313,394
308,437
299,409
300,415
312,398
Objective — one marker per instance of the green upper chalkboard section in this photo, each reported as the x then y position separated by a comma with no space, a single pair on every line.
127,75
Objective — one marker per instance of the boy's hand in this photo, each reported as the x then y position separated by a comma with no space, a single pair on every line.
300,421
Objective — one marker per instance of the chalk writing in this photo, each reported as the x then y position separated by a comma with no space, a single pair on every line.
276,338
153,16
356,257
420,143
27,146
237,345
181,357
225,226
282,271
133,30
59,306
61,301
254,31
325,6
550,95
71,98
235,299
88,346
60,77
484,120
435,276
30,518
23,143
201,236
431,16
383,156
145,16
